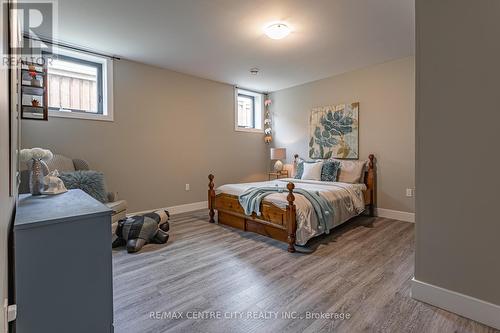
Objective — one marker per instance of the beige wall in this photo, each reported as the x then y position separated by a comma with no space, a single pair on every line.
386,96
170,129
458,132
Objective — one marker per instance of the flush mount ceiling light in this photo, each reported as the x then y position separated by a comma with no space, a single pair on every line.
254,71
277,30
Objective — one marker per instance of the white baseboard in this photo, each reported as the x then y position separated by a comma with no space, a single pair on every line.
463,305
178,209
395,214
382,212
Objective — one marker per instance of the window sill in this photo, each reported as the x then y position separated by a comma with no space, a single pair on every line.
249,130
79,115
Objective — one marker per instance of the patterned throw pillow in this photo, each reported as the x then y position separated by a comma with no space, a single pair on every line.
330,171
91,182
299,172
300,169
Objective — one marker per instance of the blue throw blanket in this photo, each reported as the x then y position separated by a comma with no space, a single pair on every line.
250,201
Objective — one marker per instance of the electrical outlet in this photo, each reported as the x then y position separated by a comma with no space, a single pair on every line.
187,187
409,192
9,313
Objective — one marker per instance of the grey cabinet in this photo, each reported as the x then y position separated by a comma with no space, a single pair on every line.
63,268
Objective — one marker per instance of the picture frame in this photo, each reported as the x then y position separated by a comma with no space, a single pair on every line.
334,131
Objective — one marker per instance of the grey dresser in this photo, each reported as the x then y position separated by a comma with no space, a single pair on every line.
63,269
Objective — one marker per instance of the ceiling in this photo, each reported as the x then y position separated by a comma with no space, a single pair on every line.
222,39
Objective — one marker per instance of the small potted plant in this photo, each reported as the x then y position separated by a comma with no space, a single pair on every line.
34,81
35,102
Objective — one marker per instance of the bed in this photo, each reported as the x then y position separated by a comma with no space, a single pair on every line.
288,216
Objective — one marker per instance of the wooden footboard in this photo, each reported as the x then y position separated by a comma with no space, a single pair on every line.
274,222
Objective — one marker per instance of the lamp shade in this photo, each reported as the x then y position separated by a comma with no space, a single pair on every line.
278,153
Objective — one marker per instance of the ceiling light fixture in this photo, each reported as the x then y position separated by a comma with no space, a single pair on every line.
277,30
254,71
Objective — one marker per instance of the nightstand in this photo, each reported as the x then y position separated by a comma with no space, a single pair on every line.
277,175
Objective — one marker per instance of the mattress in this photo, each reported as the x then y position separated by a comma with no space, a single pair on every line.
346,199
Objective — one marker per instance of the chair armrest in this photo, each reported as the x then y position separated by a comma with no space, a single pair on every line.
80,164
111,197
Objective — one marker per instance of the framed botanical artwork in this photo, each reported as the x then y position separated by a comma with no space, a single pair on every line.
334,131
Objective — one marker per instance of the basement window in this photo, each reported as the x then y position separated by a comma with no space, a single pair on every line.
79,86
248,111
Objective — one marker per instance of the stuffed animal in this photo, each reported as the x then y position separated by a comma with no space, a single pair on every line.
138,230
53,183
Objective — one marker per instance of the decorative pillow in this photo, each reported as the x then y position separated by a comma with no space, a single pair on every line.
330,171
299,169
312,171
351,171
91,182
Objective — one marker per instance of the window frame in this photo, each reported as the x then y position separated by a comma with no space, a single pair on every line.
253,110
104,82
258,102
100,87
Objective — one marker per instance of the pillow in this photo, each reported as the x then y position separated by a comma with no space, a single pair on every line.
299,169
91,182
351,171
312,171
330,171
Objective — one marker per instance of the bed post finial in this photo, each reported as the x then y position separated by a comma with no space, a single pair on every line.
295,164
370,164
211,198
291,217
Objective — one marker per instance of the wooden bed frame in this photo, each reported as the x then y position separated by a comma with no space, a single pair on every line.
274,222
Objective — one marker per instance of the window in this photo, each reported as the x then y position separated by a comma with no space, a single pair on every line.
79,86
75,85
248,111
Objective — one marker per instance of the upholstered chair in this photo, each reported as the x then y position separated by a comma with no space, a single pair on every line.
66,164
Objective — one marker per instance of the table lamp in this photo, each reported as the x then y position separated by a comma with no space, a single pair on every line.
278,154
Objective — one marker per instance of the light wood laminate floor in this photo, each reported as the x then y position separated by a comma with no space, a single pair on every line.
362,269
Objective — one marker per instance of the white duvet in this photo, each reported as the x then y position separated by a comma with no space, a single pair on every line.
347,200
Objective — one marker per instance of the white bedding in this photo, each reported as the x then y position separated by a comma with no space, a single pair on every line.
347,200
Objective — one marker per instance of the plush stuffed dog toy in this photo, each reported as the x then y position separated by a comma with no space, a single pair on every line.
138,230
